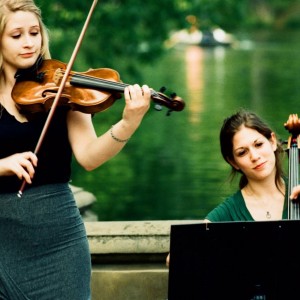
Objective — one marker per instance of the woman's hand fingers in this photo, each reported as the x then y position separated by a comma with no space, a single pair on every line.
137,93
20,164
295,192
168,260
137,100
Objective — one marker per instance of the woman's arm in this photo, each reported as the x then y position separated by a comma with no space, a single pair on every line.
91,151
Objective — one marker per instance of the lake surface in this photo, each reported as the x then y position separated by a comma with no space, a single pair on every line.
172,167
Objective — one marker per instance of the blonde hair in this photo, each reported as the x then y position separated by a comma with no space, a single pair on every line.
10,6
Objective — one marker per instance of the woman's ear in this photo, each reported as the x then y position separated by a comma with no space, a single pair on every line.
233,164
273,141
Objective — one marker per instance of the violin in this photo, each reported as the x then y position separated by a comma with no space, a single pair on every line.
293,126
90,92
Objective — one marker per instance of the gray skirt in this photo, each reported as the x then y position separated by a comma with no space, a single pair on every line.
44,251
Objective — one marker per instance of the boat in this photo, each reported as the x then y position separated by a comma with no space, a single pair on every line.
206,38
216,37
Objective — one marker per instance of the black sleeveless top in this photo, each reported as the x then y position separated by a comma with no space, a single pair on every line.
54,155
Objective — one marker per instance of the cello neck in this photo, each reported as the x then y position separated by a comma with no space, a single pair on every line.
293,126
293,205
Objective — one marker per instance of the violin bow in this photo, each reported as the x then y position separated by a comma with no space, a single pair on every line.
60,89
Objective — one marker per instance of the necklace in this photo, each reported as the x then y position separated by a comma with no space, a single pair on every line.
268,213
266,208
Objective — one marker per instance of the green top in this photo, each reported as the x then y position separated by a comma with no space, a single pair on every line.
234,209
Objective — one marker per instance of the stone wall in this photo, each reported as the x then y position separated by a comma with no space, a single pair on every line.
129,258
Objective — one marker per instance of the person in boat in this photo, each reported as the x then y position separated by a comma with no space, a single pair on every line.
44,251
253,151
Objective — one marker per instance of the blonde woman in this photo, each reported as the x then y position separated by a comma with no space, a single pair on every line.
44,251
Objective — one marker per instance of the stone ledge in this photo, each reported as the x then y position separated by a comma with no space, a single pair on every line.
130,236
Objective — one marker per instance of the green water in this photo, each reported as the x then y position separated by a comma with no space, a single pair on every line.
172,167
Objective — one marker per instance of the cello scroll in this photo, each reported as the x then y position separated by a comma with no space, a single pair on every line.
293,126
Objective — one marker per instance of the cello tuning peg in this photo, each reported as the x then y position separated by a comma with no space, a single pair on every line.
162,89
173,95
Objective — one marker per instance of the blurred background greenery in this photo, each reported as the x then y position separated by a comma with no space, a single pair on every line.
122,33
172,167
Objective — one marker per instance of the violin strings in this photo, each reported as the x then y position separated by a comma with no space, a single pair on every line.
108,84
94,82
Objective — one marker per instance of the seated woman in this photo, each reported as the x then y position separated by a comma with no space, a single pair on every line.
252,150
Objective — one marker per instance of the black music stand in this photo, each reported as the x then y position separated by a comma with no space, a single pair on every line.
235,261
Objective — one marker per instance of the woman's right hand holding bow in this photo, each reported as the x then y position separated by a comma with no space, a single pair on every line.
20,164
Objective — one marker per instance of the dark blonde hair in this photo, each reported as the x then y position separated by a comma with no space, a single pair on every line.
232,125
11,6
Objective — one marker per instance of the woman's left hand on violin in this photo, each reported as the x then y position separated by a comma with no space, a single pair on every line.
137,100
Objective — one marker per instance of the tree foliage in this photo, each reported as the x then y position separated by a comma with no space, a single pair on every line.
120,34
123,33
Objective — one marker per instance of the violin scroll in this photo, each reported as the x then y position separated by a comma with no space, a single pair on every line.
174,103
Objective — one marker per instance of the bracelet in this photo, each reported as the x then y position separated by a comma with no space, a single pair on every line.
115,138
